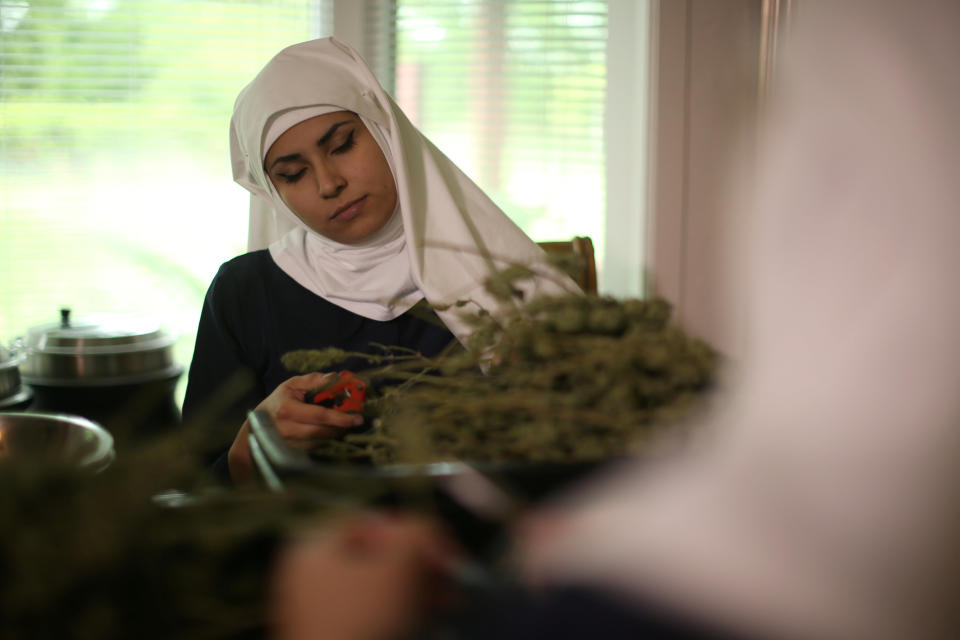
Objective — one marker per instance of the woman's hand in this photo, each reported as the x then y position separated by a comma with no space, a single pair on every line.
365,577
299,423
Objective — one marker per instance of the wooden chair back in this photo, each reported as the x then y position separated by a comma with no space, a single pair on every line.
582,247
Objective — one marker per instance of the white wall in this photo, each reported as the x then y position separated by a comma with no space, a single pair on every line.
706,87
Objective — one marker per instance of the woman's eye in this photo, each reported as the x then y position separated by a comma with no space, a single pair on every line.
291,177
346,146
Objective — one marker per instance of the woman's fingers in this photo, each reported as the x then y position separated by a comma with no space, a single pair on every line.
305,413
307,382
301,423
294,431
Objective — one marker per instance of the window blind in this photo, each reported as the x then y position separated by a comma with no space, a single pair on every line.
116,193
512,91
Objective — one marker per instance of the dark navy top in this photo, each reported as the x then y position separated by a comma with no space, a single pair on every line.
572,612
254,313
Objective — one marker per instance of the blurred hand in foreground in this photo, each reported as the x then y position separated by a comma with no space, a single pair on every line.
369,576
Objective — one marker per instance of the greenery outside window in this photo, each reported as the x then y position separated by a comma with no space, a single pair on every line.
115,186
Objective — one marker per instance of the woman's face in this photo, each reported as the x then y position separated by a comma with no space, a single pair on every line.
331,172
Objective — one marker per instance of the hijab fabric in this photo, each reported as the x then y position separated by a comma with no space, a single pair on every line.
444,241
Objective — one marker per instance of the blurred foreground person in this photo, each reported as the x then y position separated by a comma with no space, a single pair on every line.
821,501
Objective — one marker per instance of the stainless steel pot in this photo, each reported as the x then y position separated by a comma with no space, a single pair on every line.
55,438
98,350
117,370
13,395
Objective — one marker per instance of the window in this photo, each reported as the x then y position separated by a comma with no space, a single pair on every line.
513,91
544,103
115,187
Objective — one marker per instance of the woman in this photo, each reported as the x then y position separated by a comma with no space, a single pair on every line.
374,219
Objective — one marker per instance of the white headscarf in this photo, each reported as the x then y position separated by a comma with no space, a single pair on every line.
448,236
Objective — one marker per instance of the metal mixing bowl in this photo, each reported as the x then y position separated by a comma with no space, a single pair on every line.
58,438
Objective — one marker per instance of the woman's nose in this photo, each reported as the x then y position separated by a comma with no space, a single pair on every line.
329,182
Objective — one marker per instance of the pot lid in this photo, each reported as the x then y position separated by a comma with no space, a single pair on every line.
97,334
98,350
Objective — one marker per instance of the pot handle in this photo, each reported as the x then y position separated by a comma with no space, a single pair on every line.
273,457
18,350
270,478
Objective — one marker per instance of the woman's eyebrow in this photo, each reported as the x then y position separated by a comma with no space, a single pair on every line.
287,158
324,139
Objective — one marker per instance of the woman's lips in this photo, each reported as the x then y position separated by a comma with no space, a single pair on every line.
349,211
